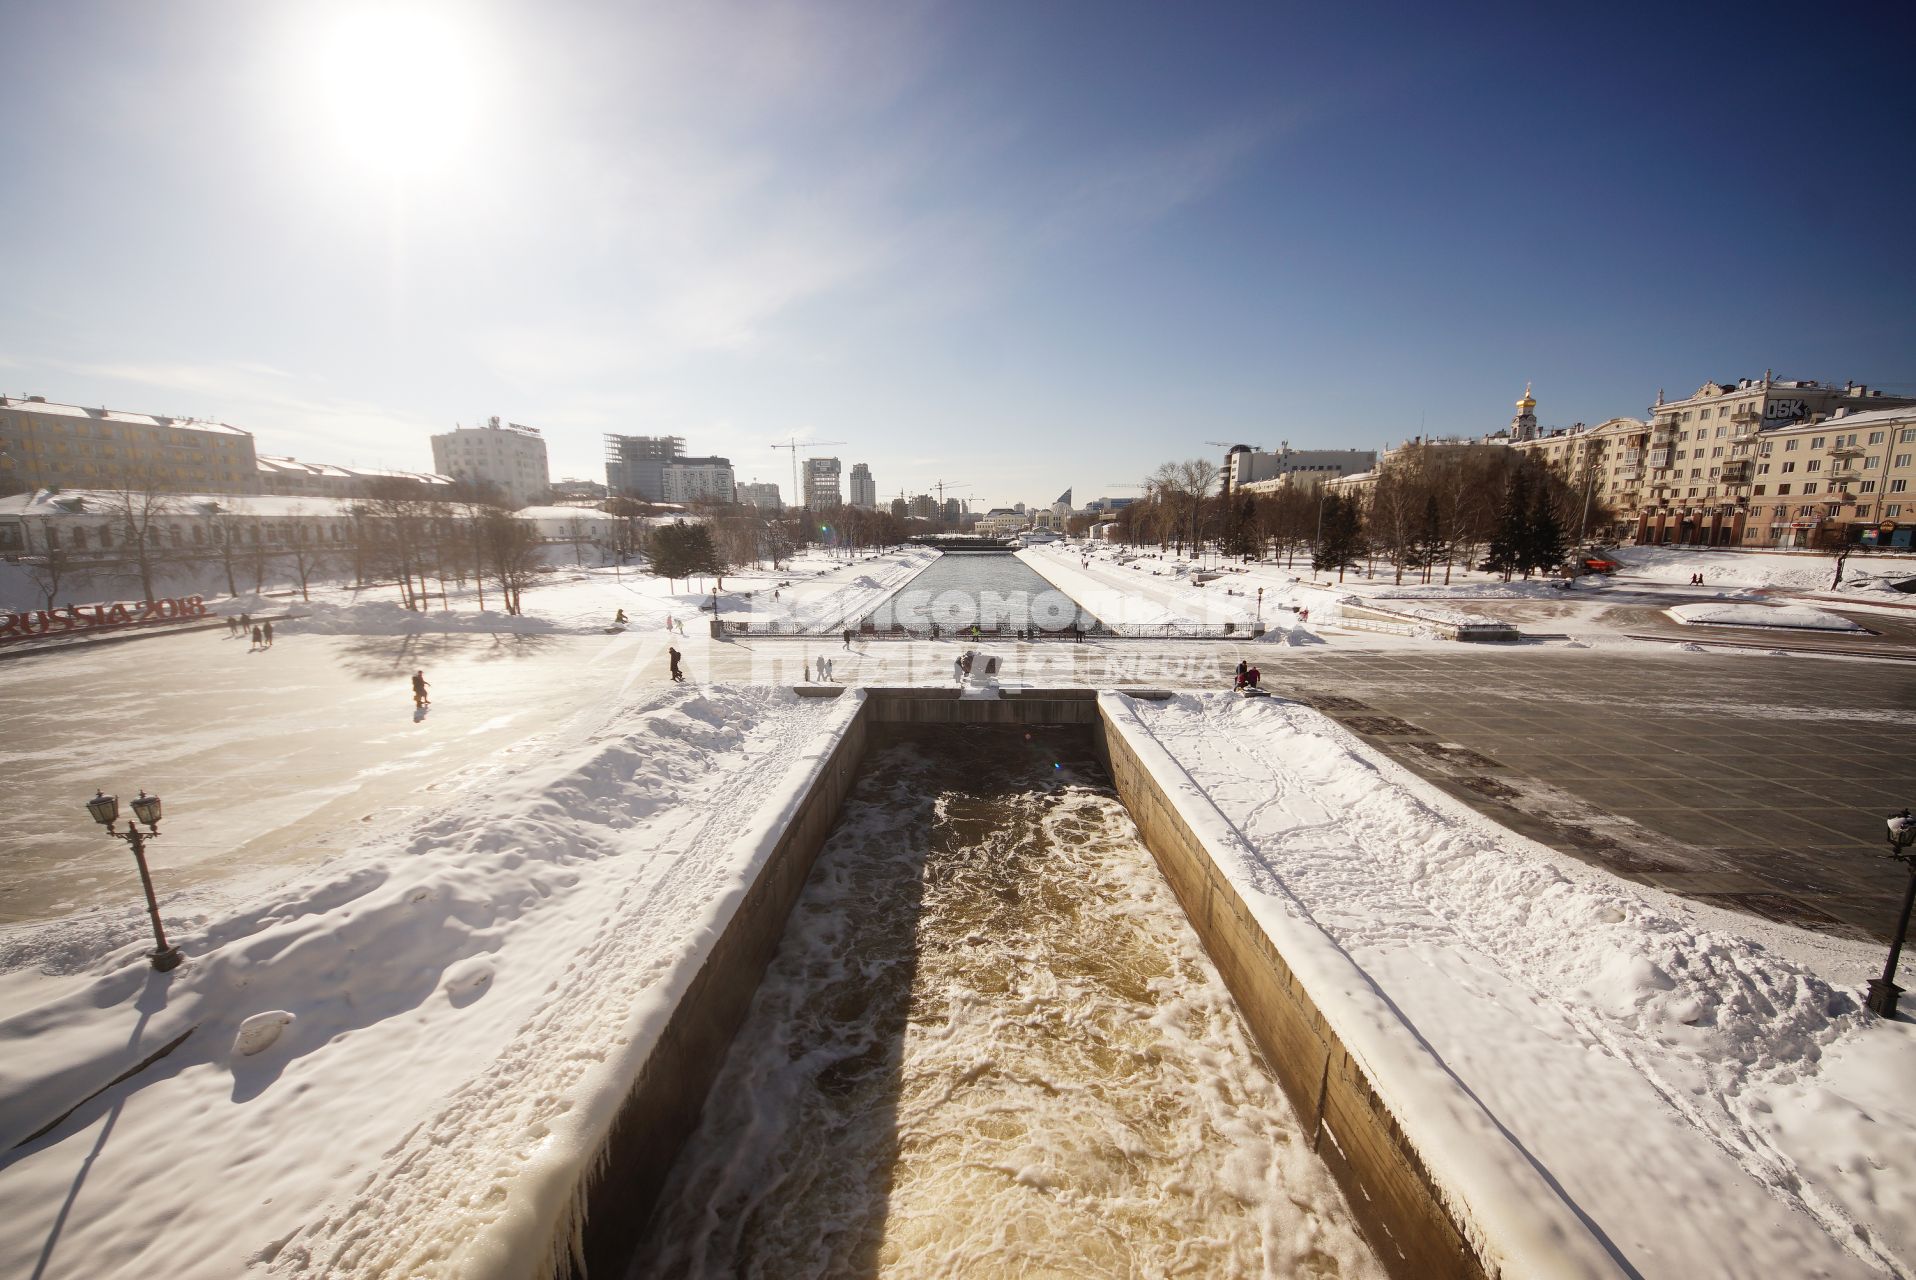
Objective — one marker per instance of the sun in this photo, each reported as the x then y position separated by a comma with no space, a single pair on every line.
398,87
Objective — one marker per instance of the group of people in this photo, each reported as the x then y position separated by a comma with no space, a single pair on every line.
1696,579
262,632
1248,676
824,666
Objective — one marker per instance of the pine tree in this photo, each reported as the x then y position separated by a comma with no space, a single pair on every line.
1342,540
1546,549
681,550
1509,546
1429,546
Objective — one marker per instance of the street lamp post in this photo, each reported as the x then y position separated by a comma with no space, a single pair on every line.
1883,991
106,811
1260,608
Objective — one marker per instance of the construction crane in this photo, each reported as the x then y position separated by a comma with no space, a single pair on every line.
798,499
942,485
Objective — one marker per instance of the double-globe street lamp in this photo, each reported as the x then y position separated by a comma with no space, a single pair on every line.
106,811
1883,991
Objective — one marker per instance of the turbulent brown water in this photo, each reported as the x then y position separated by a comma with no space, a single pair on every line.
991,1045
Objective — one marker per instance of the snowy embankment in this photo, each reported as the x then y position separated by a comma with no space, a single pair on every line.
1144,593
397,1065
1711,1105
830,606
1793,617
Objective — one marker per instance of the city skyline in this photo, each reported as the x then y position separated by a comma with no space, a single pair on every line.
1081,240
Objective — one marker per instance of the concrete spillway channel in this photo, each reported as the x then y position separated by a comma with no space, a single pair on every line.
994,1007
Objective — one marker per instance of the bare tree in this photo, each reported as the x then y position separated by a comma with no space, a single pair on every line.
48,571
1396,512
511,554
138,508
309,558
396,528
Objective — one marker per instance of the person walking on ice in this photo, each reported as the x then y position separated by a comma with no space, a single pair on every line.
419,687
269,633
678,677
259,639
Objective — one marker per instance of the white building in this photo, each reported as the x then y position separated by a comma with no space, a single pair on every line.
1247,468
821,484
864,488
763,496
507,455
699,480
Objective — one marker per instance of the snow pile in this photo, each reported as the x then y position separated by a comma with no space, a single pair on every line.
1895,584
1796,617
428,1021
1667,1075
1515,589
1792,571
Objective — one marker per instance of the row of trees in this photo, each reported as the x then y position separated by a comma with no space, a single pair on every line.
1431,506
422,541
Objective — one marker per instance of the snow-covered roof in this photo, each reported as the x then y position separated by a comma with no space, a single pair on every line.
274,465
560,513
98,502
1868,418
103,414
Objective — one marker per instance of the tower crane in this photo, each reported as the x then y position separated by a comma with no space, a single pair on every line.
942,485
794,445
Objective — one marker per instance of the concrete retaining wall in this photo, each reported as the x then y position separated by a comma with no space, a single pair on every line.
662,1107
1416,1218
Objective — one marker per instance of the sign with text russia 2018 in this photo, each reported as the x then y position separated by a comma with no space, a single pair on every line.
91,617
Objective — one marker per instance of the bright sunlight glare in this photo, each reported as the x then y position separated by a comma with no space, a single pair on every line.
399,87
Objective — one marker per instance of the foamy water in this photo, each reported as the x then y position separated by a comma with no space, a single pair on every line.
991,1045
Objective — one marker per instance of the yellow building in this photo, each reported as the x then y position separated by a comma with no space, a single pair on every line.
45,445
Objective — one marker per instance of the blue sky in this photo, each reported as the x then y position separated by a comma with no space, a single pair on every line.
1013,246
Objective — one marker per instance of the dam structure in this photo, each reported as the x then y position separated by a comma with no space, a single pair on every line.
999,993
991,591
991,1035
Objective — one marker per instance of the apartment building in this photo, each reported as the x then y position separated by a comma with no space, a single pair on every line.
1705,452
635,465
821,484
762,496
507,456
698,480
45,445
864,490
1850,478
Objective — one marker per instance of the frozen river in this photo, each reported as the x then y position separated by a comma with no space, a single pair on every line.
264,759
